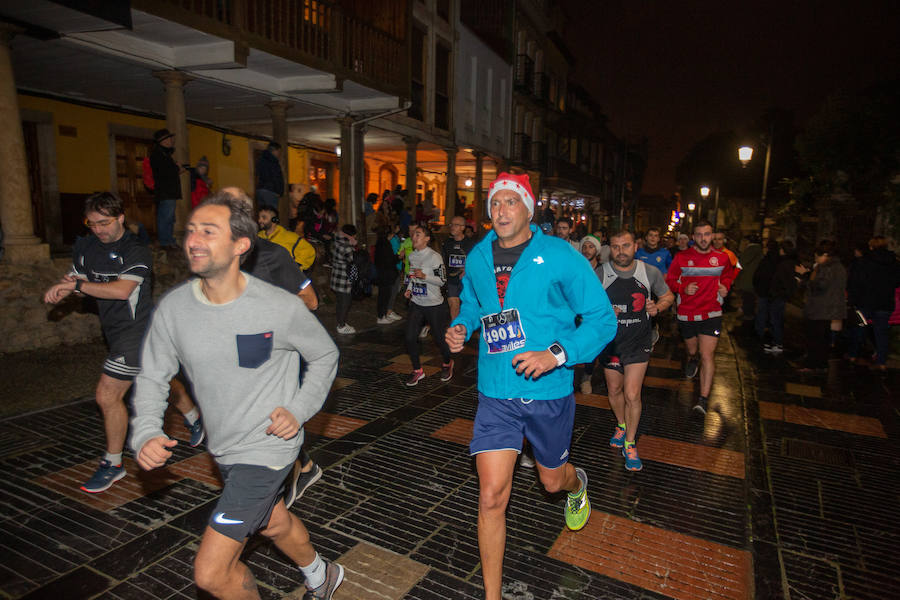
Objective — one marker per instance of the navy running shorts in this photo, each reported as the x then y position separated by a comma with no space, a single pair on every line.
501,423
124,358
454,288
247,500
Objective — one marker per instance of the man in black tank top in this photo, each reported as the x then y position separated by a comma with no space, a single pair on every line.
631,287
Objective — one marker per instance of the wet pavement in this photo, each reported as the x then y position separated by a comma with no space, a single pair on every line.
788,488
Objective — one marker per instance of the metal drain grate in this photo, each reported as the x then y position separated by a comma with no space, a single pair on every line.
820,453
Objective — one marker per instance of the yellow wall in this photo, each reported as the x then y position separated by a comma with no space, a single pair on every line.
83,162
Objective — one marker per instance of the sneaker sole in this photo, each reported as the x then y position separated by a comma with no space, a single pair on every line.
338,582
699,409
108,485
296,493
619,446
411,384
627,468
200,441
448,377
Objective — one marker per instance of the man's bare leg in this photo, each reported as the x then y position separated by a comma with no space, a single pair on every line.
495,474
634,380
111,400
289,534
707,345
218,570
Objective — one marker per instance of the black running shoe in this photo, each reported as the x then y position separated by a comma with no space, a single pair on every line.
701,405
691,367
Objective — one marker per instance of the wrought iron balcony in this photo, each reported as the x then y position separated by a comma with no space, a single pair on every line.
521,150
524,74
316,33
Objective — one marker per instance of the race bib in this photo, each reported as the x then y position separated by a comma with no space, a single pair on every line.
419,289
457,261
503,331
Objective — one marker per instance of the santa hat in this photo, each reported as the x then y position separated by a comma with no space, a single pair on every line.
591,239
517,183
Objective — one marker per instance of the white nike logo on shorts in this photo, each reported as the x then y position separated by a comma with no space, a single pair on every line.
220,518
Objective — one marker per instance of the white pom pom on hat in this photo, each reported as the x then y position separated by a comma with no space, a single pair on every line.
518,184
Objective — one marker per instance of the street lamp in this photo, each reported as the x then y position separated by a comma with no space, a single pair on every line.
691,206
745,154
468,183
704,191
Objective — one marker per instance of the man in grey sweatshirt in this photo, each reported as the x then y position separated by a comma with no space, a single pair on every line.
239,341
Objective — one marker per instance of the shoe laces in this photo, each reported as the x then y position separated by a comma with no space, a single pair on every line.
631,452
574,502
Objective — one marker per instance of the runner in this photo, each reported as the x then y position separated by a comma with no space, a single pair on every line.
426,276
524,289
701,276
455,249
239,340
115,268
629,284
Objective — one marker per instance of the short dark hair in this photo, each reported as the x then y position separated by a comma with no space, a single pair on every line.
622,232
348,229
426,230
788,247
241,221
267,208
565,220
656,229
105,203
825,247
273,146
702,223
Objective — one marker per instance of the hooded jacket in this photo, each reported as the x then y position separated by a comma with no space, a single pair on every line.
268,173
550,285
826,298
881,273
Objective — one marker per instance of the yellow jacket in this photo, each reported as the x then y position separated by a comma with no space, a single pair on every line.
302,251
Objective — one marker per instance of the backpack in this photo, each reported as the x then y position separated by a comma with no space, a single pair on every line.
147,172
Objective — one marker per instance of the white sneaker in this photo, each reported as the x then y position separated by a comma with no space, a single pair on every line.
384,320
393,316
424,333
586,387
346,329
526,461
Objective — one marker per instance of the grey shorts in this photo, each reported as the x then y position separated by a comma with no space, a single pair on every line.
247,500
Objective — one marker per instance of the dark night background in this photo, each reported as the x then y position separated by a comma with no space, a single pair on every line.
676,72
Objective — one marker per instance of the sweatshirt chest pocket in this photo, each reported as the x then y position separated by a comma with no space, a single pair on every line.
254,350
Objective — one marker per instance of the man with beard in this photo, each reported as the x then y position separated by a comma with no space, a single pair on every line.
239,341
701,276
629,285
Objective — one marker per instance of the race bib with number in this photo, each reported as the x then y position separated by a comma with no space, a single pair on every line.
419,289
503,331
457,261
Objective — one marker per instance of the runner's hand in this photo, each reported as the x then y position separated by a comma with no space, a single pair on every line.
155,452
652,309
456,337
691,288
407,294
418,274
723,291
284,424
534,364
58,292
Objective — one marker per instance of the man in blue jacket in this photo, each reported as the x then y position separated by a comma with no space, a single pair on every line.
523,289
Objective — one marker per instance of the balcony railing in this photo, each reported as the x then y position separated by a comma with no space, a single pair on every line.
542,87
521,150
524,74
316,33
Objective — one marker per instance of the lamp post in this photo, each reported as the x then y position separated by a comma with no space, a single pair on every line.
745,154
704,193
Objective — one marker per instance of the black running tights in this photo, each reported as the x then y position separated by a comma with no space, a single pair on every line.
437,317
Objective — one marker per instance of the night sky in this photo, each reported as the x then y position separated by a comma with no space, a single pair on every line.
676,71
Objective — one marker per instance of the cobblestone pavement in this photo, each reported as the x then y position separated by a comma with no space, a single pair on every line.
787,489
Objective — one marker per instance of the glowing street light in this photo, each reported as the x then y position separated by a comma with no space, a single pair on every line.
691,206
704,191
745,154
468,183
337,149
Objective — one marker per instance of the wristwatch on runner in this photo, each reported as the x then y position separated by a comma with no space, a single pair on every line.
557,350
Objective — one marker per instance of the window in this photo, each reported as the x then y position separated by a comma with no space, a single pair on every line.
442,86
417,75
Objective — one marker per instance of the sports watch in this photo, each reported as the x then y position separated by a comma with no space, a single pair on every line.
557,350
78,283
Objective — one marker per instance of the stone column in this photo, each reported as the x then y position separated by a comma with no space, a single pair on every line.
450,203
279,110
411,144
345,209
176,122
478,211
15,193
359,180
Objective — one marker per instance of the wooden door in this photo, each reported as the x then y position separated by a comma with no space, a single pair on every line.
139,204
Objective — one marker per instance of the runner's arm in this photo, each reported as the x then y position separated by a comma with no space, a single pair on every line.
307,335
469,308
586,297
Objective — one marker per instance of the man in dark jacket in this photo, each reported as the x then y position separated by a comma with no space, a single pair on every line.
269,179
880,271
166,186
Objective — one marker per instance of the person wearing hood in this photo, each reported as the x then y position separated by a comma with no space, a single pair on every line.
775,281
201,184
269,178
881,272
166,186
825,302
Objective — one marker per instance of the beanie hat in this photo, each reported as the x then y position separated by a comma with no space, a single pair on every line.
591,239
161,134
517,183
203,162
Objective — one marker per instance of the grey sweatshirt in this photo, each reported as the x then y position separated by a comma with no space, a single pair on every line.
427,292
243,359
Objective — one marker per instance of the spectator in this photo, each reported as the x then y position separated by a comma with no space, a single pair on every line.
749,259
269,229
881,273
774,283
386,268
269,179
166,186
825,301
341,283
201,184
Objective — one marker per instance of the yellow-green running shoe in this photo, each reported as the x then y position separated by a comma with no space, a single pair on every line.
578,507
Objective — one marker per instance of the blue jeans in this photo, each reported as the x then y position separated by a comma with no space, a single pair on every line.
770,312
266,197
165,222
